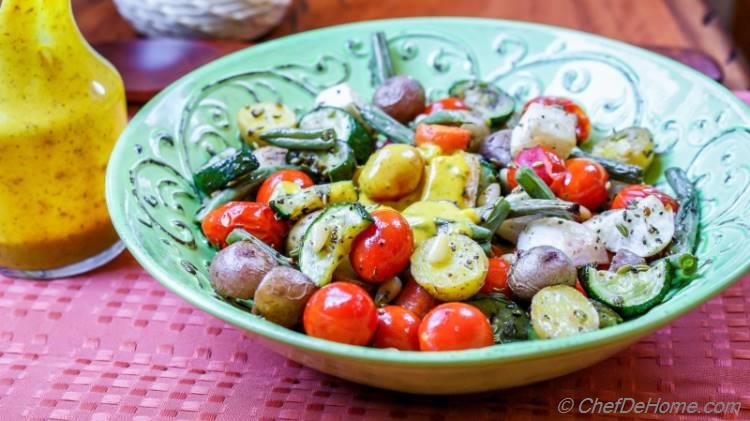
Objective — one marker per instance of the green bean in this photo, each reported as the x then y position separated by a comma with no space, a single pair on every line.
496,215
688,216
532,184
680,183
486,247
478,233
617,170
239,234
301,139
447,117
239,189
684,268
386,125
381,65
544,207
686,263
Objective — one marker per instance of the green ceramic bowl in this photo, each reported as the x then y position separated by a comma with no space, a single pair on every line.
698,125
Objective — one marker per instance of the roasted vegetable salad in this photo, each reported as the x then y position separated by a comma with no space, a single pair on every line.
461,222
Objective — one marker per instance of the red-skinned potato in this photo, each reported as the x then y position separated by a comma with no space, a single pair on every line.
401,97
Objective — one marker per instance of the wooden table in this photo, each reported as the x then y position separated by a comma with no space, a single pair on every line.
671,23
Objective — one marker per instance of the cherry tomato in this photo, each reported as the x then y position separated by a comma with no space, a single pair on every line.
341,312
383,250
497,277
397,328
585,183
266,189
639,191
256,218
449,138
454,326
583,125
415,298
449,103
545,163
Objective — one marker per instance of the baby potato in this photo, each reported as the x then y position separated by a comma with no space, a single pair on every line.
401,97
237,270
539,267
256,118
450,267
282,295
392,172
633,145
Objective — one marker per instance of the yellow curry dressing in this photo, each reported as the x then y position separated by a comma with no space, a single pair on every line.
62,108
446,179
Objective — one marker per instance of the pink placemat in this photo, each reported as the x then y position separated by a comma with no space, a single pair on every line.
115,345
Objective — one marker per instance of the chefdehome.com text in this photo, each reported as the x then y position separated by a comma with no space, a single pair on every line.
659,406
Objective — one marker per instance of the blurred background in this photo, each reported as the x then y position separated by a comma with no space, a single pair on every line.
712,27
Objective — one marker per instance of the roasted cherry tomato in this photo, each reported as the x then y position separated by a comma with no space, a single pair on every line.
545,163
415,298
497,277
639,191
341,312
449,103
454,326
397,328
266,189
449,138
256,218
382,251
585,183
583,125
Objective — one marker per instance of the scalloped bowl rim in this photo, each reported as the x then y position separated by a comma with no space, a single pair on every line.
634,328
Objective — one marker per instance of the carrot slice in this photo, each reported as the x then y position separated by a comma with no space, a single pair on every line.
449,138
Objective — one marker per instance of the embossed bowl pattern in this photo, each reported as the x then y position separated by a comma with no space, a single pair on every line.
698,125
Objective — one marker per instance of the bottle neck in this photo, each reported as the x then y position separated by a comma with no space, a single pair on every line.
47,21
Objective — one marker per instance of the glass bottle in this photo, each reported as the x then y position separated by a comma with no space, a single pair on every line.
62,107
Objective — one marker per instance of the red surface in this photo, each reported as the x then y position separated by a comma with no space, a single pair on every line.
114,344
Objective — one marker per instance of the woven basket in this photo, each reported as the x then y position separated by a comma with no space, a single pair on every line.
231,19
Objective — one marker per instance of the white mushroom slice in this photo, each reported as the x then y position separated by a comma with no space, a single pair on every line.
545,125
576,240
645,228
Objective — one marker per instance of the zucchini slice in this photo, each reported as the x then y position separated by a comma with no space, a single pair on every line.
229,165
450,267
561,310
632,292
256,118
347,129
297,233
335,164
607,316
296,205
329,238
491,102
509,321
